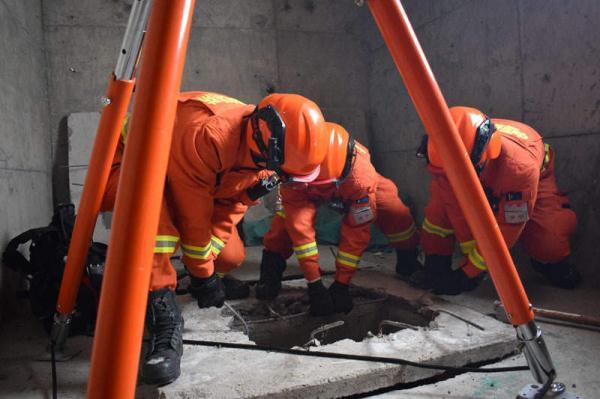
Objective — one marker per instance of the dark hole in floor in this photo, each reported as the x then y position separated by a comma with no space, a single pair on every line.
285,321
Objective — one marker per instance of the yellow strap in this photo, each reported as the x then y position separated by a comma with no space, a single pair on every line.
165,244
437,230
217,244
403,235
195,252
306,250
347,259
469,248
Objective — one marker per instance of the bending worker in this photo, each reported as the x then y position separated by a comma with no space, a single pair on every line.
222,156
346,177
516,170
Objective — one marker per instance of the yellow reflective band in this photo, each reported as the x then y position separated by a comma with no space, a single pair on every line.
511,131
280,214
221,274
213,98
403,235
306,250
437,230
124,128
165,244
546,156
217,244
164,250
476,259
197,252
467,246
347,259
167,238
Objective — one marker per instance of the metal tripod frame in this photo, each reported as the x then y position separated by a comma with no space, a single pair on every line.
117,344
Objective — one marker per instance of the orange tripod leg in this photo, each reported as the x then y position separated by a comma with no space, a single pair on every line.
120,324
116,101
433,111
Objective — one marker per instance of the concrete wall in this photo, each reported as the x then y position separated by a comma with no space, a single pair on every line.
242,48
531,60
25,180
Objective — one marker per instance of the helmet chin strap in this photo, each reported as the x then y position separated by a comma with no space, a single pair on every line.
271,154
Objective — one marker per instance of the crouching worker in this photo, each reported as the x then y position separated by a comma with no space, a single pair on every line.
347,177
516,170
222,156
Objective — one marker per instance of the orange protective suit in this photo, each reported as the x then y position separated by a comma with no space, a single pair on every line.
210,169
368,198
522,190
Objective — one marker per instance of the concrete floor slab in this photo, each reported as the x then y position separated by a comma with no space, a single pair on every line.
230,373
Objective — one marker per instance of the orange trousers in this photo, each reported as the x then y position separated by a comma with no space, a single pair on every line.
545,236
393,218
163,273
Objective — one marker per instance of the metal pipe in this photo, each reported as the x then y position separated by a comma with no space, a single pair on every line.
133,38
120,324
433,111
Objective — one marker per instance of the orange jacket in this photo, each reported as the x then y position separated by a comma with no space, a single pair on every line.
356,192
209,170
511,182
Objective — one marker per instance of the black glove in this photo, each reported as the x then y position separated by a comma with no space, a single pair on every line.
561,274
435,266
454,282
320,300
406,262
340,294
208,291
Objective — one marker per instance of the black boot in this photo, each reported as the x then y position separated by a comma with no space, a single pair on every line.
207,291
321,303
272,267
340,294
561,274
163,320
406,262
234,288
435,266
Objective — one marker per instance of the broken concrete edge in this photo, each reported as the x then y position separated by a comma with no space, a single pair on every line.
227,373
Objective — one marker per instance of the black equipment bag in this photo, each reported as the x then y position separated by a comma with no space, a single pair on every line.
44,270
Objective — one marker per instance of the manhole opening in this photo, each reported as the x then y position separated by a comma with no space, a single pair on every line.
285,321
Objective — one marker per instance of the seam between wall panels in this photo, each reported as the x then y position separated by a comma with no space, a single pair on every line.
521,58
275,32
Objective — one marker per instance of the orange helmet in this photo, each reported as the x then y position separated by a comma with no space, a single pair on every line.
477,133
288,136
340,146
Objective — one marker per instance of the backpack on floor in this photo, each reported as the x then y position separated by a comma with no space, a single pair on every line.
44,269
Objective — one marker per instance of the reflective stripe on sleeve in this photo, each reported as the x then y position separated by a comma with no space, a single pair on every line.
305,250
197,252
217,245
469,248
347,259
165,244
280,214
403,235
437,230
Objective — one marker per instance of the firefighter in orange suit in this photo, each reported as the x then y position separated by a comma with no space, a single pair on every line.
223,156
348,178
516,170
